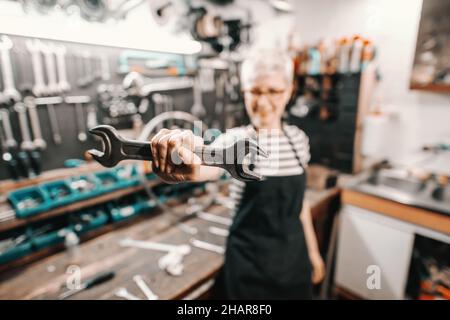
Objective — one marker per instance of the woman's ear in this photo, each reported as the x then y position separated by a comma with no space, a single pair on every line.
289,91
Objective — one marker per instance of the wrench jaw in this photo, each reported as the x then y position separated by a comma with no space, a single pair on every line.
105,158
244,158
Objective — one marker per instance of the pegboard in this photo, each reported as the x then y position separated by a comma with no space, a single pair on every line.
71,148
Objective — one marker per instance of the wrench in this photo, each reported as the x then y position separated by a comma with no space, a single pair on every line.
9,90
35,125
86,58
218,231
197,109
213,218
50,67
60,53
144,288
39,87
207,246
182,249
123,293
172,262
230,158
104,62
50,102
10,142
21,110
78,101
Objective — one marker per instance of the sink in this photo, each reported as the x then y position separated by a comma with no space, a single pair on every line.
397,185
405,184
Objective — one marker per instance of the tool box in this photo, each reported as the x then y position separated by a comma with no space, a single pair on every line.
31,201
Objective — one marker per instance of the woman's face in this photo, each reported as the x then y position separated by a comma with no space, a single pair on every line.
266,98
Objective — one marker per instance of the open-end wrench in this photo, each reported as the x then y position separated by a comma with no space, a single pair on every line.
87,61
39,87
197,108
54,126
230,158
60,52
9,90
144,288
172,262
78,101
49,58
21,110
123,293
38,142
182,249
6,156
10,142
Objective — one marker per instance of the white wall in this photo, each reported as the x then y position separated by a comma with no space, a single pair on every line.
423,117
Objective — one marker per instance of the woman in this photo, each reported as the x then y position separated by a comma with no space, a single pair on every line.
270,251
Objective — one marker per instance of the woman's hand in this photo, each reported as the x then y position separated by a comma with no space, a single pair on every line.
318,267
173,157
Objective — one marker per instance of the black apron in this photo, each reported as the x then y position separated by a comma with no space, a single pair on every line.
266,255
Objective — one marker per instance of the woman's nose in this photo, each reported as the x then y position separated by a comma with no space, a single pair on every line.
263,104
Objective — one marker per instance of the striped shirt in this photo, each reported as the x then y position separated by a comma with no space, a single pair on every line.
282,160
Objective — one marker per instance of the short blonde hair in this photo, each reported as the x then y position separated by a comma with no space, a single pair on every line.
266,61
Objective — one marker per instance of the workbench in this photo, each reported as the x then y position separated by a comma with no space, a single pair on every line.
46,277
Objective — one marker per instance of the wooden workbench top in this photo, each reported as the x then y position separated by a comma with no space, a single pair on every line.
45,279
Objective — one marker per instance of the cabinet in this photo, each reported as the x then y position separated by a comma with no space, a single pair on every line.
369,239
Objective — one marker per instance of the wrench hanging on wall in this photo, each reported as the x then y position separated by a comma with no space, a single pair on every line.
9,90
78,101
38,141
39,87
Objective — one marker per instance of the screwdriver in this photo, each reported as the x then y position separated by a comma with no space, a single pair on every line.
99,279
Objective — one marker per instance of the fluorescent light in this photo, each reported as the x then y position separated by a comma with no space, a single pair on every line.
130,35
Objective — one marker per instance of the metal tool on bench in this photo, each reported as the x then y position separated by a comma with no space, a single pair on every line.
123,293
207,246
230,158
88,284
144,288
172,262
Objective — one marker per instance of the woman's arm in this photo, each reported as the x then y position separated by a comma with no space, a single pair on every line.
311,243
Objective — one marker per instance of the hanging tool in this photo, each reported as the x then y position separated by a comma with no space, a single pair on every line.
7,156
39,87
78,101
38,141
50,67
197,109
97,280
54,126
60,53
9,90
230,158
